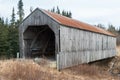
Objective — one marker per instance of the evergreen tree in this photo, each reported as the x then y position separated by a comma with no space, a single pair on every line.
53,10
12,39
111,28
20,10
6,22
118,30
1,21
58,10
101,26
31,9
67,14
3,39
70,14
64,13
13,18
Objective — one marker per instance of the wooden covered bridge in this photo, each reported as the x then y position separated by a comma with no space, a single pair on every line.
70,42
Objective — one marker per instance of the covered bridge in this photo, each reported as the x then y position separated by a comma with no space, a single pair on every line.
68,41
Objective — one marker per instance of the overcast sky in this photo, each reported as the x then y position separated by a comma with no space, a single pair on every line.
89,11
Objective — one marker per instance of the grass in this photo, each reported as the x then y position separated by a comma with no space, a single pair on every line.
88,70
18,70
29,70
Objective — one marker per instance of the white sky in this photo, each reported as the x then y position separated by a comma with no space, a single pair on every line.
89,11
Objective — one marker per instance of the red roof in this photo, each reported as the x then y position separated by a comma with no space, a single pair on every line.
76,24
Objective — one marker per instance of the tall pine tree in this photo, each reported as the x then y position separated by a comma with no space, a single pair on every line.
13,18
58,10
20,10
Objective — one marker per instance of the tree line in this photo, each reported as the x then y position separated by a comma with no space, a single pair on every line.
9,43
63,12
111,28
9,33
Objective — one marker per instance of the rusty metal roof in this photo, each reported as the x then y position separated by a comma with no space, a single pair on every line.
76,24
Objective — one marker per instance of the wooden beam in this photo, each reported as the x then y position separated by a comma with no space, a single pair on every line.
34,40
46,45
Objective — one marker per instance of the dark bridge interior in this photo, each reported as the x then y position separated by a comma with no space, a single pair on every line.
39,41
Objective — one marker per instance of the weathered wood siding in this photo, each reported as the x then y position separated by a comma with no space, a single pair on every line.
37,18
79,46
72,46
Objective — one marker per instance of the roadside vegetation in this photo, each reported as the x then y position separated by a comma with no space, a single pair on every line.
28,69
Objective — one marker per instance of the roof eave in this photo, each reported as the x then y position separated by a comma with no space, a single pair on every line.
113,35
